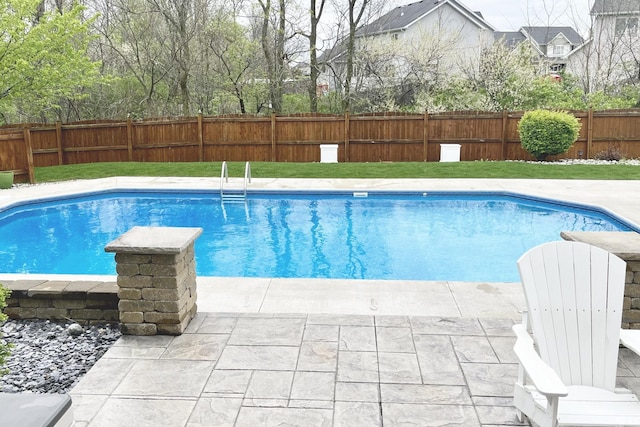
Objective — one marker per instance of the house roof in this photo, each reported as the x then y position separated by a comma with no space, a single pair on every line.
509,38
402,17
615,7
543,35
333,53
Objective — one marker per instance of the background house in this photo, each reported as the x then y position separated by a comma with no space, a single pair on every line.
552,44
611,55
442,16
412,49
431,39
417,41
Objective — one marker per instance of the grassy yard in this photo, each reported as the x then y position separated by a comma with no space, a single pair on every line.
344,170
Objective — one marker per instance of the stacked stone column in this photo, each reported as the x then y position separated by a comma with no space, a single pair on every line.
156,279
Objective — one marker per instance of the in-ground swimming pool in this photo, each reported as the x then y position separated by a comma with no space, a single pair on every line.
409,236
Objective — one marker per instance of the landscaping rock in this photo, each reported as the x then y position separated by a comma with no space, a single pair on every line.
75,330
48,358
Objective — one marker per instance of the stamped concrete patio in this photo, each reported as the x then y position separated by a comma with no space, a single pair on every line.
306,370
411,353
297,352
253,369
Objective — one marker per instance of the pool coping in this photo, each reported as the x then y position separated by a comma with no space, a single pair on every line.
523,197
60,297
584,193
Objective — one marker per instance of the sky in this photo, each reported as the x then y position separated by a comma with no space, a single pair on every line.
510,15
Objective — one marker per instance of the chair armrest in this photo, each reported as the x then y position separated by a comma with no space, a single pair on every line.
544,379
630,338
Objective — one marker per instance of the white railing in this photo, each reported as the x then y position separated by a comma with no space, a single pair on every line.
234,195
247,176
224,177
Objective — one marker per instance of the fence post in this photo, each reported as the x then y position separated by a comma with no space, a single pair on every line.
200,138
425,136
503,137
29,148
129,137
346,136
273,138
59,143
589,132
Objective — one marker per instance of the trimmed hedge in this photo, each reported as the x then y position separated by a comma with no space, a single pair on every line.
545,133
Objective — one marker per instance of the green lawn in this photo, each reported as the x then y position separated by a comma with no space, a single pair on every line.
344,170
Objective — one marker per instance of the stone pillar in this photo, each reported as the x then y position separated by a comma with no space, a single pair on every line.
626,245
156,279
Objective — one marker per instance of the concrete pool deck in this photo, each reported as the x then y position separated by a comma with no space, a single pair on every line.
265,352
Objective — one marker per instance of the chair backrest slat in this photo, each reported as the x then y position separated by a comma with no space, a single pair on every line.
574,293
616,274
583,307
568,305
558,346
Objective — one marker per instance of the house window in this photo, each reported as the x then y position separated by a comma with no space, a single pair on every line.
394,36
627,25
559,50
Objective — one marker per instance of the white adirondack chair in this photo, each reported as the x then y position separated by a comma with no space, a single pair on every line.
567,375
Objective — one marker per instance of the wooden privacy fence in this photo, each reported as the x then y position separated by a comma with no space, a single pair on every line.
389,137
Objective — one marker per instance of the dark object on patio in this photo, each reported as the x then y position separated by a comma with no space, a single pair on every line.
35,410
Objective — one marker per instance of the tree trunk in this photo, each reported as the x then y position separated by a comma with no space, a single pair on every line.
275,58
314,70
280,58
354,20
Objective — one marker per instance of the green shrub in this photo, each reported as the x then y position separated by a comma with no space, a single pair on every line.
544,133
4,347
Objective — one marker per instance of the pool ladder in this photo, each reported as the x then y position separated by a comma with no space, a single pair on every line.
231,194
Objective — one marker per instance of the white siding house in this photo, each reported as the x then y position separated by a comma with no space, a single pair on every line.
423,38
611,55
552,44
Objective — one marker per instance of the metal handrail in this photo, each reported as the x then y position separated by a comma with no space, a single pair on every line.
247,176
224,176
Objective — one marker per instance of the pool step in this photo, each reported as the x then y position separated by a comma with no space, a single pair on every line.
234,195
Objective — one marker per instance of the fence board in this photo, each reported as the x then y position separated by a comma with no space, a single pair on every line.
13,154
244,138
361,138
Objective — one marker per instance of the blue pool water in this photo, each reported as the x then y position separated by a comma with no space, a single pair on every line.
417,236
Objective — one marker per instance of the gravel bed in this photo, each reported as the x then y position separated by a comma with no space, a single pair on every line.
568,162
51,357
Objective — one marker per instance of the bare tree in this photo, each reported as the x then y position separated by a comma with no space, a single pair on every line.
133,41
355,12
182,27
316,7
273,47
237,59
